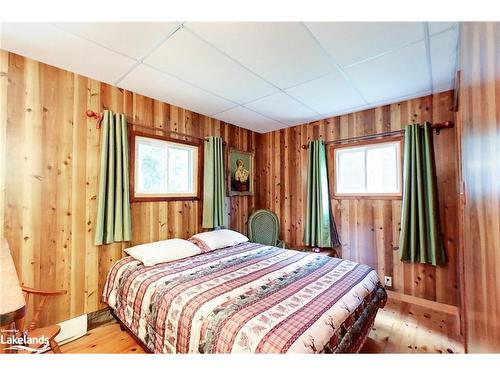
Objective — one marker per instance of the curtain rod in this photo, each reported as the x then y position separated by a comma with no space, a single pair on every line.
99,117
437,126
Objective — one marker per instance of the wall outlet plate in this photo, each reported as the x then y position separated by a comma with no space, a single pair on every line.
388,281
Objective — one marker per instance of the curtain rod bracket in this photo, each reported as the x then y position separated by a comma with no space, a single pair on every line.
95,115
442,125
100,116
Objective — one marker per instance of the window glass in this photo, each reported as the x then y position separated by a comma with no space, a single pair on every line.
164,168
351,167
179,166
370,169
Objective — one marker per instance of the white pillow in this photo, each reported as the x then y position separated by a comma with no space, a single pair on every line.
216,239
163,251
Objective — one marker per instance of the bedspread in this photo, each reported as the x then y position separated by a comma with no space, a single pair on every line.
248,298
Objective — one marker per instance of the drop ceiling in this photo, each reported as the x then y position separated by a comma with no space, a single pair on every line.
261,76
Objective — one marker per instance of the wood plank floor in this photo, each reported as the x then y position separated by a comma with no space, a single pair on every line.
409,328
106,339
399,328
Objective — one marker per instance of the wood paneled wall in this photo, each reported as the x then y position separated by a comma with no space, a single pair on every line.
369,229
479,133
50,151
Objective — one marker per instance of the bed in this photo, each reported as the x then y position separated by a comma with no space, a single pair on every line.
247,298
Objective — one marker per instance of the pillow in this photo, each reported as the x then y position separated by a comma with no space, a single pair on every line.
163,251
216,239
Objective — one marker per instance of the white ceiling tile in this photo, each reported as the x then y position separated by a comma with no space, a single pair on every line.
346,110
351,42
402,98
399,73
444,59
327,94
437,27
189,58
50,45
283,108
133,39
281,52
245,118
147,81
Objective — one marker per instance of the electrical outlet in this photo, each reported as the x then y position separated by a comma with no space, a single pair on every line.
388,281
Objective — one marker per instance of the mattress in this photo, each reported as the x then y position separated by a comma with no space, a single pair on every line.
248,298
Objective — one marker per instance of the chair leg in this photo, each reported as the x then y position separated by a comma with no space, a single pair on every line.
54,346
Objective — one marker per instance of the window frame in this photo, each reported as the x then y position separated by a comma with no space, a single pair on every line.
198,163
389,196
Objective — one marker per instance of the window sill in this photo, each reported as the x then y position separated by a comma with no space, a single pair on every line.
163,199
370,197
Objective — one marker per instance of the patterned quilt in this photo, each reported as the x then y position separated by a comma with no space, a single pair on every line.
249,298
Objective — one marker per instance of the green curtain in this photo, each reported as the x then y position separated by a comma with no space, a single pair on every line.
113,222
320,229
214,208
420,238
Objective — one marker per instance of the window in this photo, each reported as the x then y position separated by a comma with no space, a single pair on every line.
164,169
368,169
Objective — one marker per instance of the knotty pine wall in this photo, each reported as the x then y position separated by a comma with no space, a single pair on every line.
48,184
479,134
49,179
369,229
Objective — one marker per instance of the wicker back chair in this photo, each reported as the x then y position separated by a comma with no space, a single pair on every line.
264,228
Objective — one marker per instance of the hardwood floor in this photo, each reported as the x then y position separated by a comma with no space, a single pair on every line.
400,327
403,327
106,339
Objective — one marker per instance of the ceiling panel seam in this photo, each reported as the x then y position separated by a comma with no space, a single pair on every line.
151,50
367,59
236,104
249,70
336,65
242,106
428,54
91,41
140,61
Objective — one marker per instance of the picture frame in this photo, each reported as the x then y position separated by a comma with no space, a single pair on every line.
240,172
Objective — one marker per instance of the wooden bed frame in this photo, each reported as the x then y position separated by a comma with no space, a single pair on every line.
353,340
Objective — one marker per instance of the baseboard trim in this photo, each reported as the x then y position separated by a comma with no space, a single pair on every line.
99,318
433,305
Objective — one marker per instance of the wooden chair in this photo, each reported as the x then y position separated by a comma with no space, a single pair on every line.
14,299
50,331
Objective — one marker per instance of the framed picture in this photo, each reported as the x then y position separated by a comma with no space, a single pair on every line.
240,172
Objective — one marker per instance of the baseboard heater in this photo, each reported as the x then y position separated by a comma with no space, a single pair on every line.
72,329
